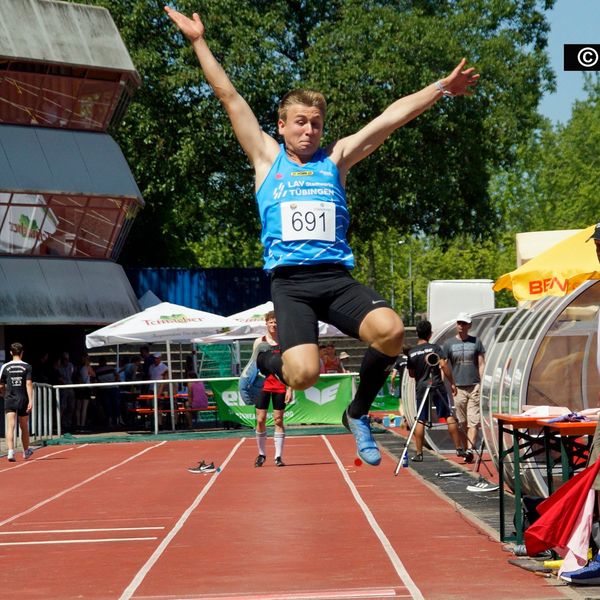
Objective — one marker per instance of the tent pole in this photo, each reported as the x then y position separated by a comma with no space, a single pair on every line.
155,410
171,399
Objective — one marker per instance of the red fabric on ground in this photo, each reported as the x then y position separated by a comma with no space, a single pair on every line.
559,513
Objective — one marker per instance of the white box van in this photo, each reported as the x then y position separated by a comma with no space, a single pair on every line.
446,298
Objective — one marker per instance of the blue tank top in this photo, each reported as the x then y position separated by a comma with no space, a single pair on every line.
303,213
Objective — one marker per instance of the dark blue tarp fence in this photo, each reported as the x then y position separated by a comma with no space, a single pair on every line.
221,291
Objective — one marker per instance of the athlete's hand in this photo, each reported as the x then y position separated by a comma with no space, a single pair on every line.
459,82
289,395
193,28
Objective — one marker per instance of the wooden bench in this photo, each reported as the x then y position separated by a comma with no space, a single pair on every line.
179,411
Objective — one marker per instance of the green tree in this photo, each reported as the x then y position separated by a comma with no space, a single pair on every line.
554,181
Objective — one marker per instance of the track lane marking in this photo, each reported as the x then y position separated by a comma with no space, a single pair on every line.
38,531
78,485
81,541
331,594
141,574
32,460
385,542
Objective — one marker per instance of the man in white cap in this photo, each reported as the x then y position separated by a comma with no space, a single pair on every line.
344,356
467,357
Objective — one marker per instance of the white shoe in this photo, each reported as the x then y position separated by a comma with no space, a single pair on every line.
483,486
11,456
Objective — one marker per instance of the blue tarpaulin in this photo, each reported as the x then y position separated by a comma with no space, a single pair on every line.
221,291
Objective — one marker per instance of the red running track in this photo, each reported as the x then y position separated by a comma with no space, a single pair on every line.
122,521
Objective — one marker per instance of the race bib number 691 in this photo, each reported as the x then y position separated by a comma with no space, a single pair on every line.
308,220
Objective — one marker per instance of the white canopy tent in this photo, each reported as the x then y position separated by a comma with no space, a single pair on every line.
252,325
164,322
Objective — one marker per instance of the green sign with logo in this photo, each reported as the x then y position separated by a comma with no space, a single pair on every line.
322,403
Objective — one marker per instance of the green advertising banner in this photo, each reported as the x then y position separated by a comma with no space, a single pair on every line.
323,403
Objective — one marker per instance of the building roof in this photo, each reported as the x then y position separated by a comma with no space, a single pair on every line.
58,291
42,160
63,33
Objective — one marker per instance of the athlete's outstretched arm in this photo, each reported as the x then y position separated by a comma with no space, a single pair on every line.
352,149
255,142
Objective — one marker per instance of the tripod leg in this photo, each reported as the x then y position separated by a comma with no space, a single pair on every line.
480,460
412,431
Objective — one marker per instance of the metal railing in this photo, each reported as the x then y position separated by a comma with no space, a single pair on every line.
150,382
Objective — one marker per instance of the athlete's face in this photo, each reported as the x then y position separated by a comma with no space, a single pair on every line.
302,130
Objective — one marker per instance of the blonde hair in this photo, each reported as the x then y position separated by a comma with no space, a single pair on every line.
270,315
304,97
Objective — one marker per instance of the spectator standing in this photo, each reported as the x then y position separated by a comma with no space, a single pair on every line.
67,395
197,397
425,363
108,395
16,386
467,358
87,375
322,354
158,371
331,361
147,360
344,356
274,393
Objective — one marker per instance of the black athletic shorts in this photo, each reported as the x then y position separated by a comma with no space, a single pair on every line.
16,406
305,295
264,398
440,401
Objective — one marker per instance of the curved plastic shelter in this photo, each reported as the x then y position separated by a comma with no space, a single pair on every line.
545,354
487,325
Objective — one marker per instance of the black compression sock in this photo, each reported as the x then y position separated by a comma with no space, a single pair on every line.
374,370
270,363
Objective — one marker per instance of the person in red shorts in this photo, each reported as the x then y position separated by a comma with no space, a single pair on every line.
274,393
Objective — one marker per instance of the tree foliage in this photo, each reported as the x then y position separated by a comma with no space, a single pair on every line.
554,181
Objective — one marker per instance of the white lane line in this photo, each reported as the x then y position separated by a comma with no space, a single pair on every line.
78,485
387,546
38,531
32,460
82,541
348,594
141,574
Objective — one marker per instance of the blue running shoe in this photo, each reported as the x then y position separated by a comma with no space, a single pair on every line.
366,447
588,575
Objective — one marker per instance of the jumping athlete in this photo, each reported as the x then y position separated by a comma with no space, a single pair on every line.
17,387
300,191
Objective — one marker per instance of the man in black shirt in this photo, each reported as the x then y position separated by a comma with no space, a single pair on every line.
426,362
17,387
